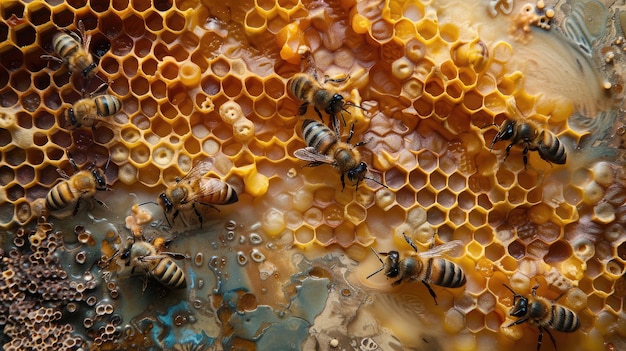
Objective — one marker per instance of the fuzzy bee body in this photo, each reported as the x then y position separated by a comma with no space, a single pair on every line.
428,267
542,313
143,258
325,147
194,189
532,138
86,111
82,185
72,50
307,89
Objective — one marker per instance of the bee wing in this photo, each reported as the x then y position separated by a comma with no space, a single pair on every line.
312,155
438,250
200,169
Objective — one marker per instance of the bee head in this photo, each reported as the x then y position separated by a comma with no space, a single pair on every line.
393,269
357,174
520,304
336,105
98,175
165,202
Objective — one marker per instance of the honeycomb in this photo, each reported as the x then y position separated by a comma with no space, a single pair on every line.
287,266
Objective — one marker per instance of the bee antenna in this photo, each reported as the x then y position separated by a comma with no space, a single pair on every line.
148,202
348,103
381,262
376,181
510,289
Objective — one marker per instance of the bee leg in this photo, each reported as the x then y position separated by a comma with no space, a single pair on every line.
350,134
101,203
343,182
72,162
508,149
52,58
302,108
525,155
431,291
76,208
549,334
408,240
197,214
173,217
318,113
519,321
396,282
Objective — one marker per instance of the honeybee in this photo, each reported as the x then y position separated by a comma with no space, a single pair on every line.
427,267
306,88
324,146
194,188
82,185
141,257
532,138
542,313
72,49
86,111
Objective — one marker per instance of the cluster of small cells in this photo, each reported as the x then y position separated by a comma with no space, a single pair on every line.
457,153
36,290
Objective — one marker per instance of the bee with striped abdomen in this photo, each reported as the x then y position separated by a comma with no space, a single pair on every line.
72,50
82,185
141,257
324,146
531,137
428,267
86,111
542,313
307,89
194,188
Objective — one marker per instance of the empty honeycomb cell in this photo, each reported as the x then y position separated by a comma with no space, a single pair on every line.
475,321
175,22
484,236
154,22
140,86
304,236
344,234
603,284
436,216
434,86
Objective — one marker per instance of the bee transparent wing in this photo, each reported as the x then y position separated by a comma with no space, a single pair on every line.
441,249
312,155
200,169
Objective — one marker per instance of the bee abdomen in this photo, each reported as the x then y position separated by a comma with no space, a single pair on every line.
564,319
169,274
552,149
446,273
59,197
318,136
107,105
65,45
300,86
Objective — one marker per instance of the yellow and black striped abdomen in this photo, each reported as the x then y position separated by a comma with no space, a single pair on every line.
64,45
302,85
169,274
107,105
550,148
224,195
563,319
318,136
445,273
60,197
